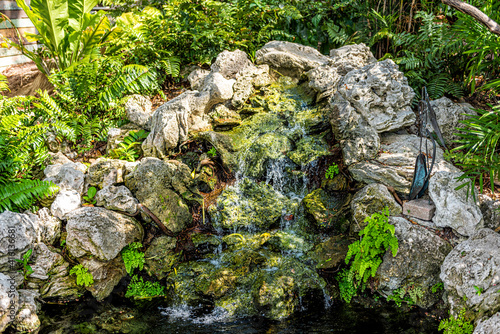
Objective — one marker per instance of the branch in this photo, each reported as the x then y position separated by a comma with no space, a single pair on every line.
475,13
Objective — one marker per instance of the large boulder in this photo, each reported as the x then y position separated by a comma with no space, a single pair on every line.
9,301
106,275
372,198
139,111
246,80
454,208
395,165
351,57
100,233
324,80
230,63
65,202
448,115
17,236
471,274
68,176
417,263
290,59
27,319
44,260
488,326
117,198
166,188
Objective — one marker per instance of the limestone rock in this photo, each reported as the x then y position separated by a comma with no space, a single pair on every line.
324,80
68,176
65,202
57,159
105,172
48,227
224,147
160,256
197,77
396,164
117,198
453,207
351,57
230,63
9,301
100,233
139,111
106,275
117,135
417,263
488,326
449,115
61,284
246,80
224,118
26,319
290,59
331,253
381,94
372,198
44,261
491,212
17,235
327,210
166,188
471,265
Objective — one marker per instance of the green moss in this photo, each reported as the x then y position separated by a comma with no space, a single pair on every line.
308,150
327,210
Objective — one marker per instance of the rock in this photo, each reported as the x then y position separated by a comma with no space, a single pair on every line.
230,63
26,319
106,275
106,172
351,57
290,59
309,149
488,326
224,147
61,285
396,164
68,176
417,263
381,94
18,235
207,180
246,80
9,301
44,260
197,77
160,256
324,80
449,115
57,159
369,200
223,118
249,204
327,210
117,198
453,207
166,188
338,183
490,210
47,226
331,253
100,233
139,111
117,135
65,202
472,266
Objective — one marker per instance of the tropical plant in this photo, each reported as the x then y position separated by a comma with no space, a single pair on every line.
83,276
137,289
27,270
129,148
66,29
132,257
90,198
4,86
460,324
212,152
409,294
347,287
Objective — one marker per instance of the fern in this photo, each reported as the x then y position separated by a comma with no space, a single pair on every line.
4,86
20,195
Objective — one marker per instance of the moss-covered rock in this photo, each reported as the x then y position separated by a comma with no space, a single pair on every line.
327,210
332,252
223,118
308,150
205,243
206,179
160,257
338,183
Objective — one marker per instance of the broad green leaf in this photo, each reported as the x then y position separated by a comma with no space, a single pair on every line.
54,15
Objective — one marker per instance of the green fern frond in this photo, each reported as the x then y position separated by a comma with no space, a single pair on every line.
21,194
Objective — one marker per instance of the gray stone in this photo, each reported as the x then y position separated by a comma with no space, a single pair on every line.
381,94
106,275
26,319
139,111
489,326
68,176
290,59
327,210
65,202
230,63
61,285
44,260
416,264
419,208
57,159
396,164
116,136
17,236
160,256
351,57
166,188
223,118
117,198
224,146
369,200
100,233
47,226
246,80
197,77
9,301
105,172
449,115
324,80
491,212
471,266
454,208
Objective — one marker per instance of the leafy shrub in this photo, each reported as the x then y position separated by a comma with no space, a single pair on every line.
83,277
3,83
137,288
459,325
129,148
347,286
132,257
408,294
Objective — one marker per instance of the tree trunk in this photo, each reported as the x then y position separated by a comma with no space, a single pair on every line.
475,13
